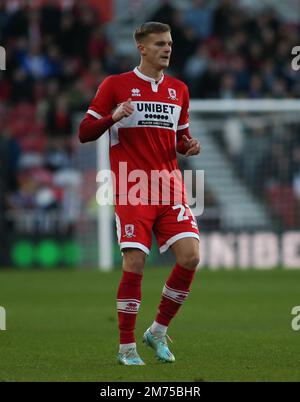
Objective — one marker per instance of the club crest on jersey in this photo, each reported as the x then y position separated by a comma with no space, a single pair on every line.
135,92
129,231
172,94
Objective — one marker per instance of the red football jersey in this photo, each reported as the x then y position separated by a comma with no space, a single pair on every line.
144,143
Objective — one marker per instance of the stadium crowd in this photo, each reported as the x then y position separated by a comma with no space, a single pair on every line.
57,56
228,52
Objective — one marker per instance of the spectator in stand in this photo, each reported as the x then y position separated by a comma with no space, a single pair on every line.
35,34
21,89
268,74
57,156
280,89
35,63
4,18
18,24
200,18
50,17
255,57
5,88
195,67
87,24
227,87
164,13
256,87
186,43
67,36
55,62
59,118
239,69
221,17
98,45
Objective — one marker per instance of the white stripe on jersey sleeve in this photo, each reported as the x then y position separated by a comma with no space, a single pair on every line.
95,114
183,126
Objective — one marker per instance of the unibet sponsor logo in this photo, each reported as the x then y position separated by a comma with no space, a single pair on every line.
156,114
155,108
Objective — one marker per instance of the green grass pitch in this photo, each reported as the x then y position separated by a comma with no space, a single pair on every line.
235,326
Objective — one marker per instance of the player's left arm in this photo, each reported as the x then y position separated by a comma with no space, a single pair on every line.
186,145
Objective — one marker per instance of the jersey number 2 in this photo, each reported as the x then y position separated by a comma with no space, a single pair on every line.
181,216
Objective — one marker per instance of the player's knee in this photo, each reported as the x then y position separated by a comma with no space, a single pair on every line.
133,262
189,261
135,266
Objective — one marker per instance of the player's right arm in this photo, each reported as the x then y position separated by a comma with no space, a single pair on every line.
100,115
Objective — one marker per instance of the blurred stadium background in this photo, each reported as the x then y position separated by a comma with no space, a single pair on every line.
235,57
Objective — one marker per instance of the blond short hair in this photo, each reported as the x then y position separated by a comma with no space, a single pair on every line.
148,28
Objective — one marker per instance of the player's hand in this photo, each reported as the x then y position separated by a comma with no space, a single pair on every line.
192,146
125,109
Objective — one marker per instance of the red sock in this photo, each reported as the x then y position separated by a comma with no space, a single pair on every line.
174,293
128,303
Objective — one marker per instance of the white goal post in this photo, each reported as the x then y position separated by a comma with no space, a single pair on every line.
105,213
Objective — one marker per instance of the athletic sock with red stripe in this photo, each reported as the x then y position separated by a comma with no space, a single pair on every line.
128,303
174,293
